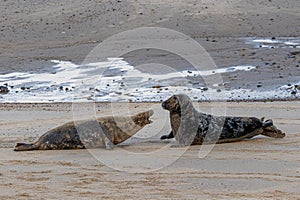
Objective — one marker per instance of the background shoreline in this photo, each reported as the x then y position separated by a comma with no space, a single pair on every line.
32,35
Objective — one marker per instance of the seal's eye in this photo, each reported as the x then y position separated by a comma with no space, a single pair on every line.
175,97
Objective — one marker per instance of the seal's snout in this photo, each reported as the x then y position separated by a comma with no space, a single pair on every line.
143,118
151,112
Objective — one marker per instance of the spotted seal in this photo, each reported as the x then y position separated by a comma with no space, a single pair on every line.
190,127
103,132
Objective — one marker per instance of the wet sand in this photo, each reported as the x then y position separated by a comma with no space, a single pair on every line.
259,168
32,34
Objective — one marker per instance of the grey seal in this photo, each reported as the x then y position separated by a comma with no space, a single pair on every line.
190,127
103,132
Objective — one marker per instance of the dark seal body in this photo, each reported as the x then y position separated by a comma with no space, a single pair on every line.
190,127
103,132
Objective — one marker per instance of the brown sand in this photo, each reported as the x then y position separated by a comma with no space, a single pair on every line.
32,33
259,168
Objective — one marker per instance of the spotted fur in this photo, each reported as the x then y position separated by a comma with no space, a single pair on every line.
190,127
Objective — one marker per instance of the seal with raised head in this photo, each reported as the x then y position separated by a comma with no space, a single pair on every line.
103,132
190,127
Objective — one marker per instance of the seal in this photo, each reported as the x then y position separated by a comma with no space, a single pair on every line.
103,132
190,127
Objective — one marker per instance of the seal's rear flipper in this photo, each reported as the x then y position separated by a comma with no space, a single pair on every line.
24,147
272,131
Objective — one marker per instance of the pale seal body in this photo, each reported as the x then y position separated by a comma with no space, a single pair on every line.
103,132
190,127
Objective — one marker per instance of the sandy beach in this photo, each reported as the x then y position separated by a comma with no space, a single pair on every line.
32,33
259,168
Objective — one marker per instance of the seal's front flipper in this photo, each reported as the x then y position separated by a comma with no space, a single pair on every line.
170,136
24,147
108,144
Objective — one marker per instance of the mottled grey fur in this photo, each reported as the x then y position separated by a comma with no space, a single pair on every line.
190,127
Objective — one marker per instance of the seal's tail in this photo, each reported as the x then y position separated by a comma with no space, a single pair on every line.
24,147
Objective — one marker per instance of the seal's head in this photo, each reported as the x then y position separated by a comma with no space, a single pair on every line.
177,103
142,119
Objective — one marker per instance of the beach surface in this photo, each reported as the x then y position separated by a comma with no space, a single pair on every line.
254,47
260,168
